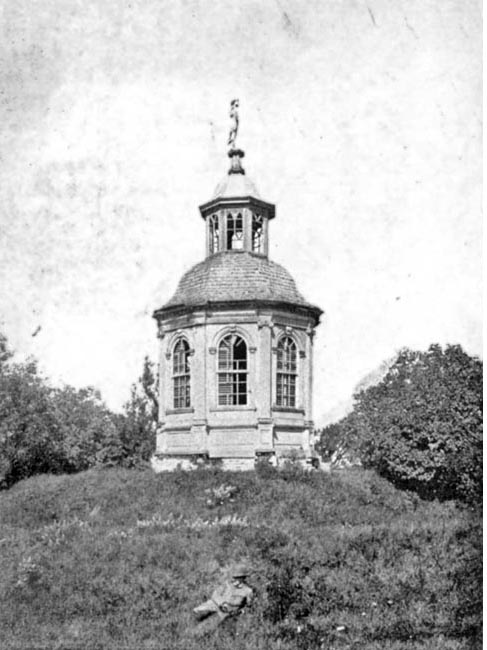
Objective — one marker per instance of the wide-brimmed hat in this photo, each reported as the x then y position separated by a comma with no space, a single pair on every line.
240,571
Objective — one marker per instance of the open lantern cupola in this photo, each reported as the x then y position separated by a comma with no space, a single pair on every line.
236,217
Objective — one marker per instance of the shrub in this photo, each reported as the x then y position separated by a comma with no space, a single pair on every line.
421,426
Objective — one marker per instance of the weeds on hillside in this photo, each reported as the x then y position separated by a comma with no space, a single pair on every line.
56,533
218,496
173,522
28,573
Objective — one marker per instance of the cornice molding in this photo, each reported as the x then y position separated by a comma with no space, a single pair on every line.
228,305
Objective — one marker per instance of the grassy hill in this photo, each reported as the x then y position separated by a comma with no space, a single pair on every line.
117,559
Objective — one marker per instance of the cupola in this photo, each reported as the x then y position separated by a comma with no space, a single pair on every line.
237,219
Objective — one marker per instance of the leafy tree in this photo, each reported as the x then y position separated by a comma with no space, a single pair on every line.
421,426
47,429
30,437
89,432
330,444
138,424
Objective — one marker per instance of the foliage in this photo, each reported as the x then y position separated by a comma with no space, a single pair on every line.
30,436
217,496
88,429
114,558
137,427
49,429
330,445
421,426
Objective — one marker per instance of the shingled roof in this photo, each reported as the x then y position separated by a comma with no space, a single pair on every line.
237,276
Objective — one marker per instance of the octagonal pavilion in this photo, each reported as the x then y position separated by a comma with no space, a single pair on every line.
236,344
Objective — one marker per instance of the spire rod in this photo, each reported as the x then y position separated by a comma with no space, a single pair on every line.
234,153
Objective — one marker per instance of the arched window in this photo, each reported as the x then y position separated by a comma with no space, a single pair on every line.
286,372
214,233
181,376
232,371
257,237
234,232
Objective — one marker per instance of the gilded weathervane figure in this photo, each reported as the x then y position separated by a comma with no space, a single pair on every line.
232,136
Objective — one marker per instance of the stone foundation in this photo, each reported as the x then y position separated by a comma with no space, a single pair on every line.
171,464
236,464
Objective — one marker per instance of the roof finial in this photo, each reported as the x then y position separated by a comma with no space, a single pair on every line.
234,153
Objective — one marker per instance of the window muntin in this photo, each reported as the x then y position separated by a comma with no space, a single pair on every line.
214,233
286,372
181,375
235,235
257,234
232,371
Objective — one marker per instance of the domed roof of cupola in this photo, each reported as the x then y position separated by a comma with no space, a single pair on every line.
235,185
237,276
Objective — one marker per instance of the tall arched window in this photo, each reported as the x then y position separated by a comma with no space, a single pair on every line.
181,376
234,232
232,371
214,233
286,372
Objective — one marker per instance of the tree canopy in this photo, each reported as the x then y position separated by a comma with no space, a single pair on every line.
50,429
421,426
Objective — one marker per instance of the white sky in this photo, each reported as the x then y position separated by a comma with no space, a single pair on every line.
360,120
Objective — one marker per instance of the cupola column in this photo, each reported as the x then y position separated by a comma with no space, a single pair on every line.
247,216
265,237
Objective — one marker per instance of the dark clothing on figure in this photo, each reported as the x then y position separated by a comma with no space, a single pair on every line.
227,600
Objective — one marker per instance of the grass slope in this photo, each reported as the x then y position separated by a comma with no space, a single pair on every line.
118,558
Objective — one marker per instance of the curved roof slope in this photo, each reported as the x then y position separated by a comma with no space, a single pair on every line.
236,276
234,185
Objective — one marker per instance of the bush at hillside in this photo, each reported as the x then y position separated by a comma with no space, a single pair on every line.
421,426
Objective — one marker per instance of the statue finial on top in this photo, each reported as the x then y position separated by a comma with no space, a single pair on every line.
234,154
232,136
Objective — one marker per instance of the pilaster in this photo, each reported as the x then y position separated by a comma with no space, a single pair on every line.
265,377
161,416
309,365
303,378
197,366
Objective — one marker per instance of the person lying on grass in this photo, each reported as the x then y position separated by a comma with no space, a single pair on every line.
227,600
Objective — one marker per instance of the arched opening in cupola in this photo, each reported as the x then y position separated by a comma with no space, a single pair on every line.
257,234
214,232
235,235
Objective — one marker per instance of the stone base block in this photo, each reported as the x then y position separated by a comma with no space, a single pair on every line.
173,463
238,464
170,464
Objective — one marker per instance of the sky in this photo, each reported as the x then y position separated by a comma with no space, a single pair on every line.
361,120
